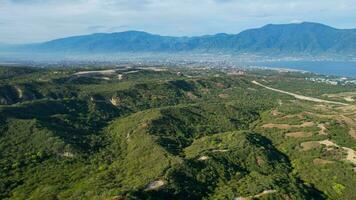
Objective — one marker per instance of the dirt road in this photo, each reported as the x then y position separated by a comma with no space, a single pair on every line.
301,97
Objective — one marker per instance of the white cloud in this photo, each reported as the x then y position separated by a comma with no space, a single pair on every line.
39,20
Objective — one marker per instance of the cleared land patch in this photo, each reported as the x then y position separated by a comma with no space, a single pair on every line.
299,134
202,158
351,154
323,129
309,145
319,161
102,72
347,96
155,185
288,126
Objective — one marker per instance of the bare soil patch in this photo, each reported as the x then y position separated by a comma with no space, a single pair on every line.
265,192
220,150
117,198
352,132
319,161
202,158
19,92
349,109
288,126
102,72
307,124
328,143
309,145
349,99
299,134
115,101
275,113
260,161
155,185
68,154
155,69
323,129
347,96
351,154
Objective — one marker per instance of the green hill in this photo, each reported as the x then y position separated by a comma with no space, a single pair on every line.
160,134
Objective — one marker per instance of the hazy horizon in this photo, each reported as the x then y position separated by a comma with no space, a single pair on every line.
42,20
132,30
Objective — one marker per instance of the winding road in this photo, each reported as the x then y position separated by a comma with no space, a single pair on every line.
301,97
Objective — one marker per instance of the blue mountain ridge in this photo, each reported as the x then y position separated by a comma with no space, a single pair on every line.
307,37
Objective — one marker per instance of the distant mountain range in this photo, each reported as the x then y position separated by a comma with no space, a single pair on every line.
302,38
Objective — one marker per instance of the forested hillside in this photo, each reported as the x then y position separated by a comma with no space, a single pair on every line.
176,133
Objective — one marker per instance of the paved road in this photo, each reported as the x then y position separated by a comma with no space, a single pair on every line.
297,96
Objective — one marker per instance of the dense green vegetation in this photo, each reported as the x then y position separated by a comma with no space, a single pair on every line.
161,134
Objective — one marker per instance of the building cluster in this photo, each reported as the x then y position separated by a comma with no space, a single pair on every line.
333,81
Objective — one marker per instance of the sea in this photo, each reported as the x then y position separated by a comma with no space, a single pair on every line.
336,68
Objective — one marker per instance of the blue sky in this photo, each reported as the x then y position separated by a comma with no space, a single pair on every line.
24,21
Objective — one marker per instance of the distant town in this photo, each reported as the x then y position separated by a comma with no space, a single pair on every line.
333,81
